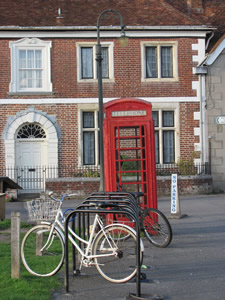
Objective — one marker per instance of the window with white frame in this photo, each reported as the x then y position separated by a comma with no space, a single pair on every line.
159,61
30,66
164,123
90,138
87,65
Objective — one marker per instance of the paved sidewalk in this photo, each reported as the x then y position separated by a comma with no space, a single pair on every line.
191,268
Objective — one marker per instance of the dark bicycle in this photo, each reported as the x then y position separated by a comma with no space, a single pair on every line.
153,223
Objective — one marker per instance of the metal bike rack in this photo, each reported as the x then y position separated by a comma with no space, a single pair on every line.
117,199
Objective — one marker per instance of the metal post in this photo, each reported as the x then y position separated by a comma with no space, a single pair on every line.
100,104
100,92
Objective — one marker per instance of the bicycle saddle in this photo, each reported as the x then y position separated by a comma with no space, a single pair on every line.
137,194
103,204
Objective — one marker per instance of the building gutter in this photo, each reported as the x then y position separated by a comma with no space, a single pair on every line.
110,28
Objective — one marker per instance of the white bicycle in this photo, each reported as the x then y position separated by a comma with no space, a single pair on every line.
113,254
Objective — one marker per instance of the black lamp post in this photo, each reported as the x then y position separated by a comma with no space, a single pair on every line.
100,94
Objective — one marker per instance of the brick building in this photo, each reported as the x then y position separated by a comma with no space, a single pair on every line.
49,88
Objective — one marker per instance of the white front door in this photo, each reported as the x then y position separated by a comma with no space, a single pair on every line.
30,161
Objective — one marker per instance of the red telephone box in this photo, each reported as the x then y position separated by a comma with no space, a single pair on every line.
129,148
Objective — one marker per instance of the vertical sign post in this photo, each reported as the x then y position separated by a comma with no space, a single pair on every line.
174,194
175,200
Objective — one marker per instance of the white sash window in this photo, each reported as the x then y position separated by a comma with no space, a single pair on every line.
30,65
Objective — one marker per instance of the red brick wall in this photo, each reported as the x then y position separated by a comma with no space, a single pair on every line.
81,188
84,187
127,71
186,185
187,125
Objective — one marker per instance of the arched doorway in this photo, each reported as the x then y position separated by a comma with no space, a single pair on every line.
31,145
31,156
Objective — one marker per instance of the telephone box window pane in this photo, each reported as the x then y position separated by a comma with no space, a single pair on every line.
87,62
157,147
151,62
89,148
155,116
168,147
168,118
88,120
166,62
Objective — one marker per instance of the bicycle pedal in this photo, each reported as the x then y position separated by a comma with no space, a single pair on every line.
76,272
143,278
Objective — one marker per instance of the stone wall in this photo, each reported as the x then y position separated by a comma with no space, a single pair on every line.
216,132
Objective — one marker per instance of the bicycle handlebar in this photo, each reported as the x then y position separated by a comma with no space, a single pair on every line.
50,194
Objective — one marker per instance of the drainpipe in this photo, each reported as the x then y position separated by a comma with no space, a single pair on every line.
203,119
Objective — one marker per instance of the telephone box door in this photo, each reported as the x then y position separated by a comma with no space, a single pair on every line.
129,149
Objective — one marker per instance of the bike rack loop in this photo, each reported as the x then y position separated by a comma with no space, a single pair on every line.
127,203
111,211
121,198
113,202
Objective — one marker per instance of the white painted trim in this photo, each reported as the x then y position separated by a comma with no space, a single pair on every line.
197,147
197,115
200,47
197,131
92,100
196,86
173,33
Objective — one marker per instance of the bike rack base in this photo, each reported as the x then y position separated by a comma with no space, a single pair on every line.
144,297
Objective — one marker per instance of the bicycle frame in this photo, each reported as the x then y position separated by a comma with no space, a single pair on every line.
72,236
86,256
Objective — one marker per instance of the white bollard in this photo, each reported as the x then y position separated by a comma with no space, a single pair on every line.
175,199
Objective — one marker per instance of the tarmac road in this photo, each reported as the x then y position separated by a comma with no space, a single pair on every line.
191,268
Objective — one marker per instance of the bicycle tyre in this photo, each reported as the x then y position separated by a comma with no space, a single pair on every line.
121,267
42,263
156,227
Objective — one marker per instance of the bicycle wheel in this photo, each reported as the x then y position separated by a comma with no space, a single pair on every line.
116,259
41,255
156,227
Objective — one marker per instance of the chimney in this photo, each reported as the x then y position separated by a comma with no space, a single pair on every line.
195,5
59,17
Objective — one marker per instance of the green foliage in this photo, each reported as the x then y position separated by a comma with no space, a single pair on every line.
130,166
27,287
89,173
187,167
5,224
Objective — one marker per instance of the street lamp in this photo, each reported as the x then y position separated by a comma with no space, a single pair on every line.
123,41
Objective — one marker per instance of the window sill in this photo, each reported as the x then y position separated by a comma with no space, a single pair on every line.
30,93
159,80
108,80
